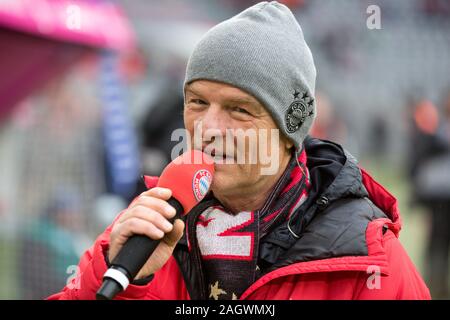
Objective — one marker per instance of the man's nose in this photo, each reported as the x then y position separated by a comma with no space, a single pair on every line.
214,122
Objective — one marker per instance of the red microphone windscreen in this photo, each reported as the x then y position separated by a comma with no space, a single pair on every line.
189,177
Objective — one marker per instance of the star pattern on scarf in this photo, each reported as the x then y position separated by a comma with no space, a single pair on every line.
215,291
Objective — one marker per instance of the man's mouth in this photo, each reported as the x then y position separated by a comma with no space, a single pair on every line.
219,157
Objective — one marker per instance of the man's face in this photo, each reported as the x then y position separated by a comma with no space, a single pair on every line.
239,133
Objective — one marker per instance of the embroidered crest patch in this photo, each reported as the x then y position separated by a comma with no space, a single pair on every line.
301,108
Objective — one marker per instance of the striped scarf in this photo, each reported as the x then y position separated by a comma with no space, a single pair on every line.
229,243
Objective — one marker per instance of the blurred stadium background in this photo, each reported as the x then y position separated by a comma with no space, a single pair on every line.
85,112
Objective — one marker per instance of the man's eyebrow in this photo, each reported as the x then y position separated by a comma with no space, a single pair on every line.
240,100
234,100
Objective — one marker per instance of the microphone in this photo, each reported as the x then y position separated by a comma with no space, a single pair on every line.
189,177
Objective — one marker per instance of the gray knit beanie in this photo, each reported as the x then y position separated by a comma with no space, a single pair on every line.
262,51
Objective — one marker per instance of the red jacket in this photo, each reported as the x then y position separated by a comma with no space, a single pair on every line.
343,266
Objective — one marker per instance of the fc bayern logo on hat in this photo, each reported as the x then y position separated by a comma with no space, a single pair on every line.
201,183
298,111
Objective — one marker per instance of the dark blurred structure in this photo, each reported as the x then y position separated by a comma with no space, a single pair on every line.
379,134
48,246
165,115
29,63
439,8
429,162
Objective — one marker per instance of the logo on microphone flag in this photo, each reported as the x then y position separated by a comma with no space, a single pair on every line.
201,183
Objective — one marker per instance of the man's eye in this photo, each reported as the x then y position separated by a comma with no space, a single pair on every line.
240,110
197,101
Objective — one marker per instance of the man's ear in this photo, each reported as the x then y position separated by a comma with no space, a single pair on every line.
288,143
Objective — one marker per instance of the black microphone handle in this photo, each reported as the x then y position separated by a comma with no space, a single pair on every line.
134,254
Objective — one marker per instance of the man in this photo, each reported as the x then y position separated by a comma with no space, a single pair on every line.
429,162
316,227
